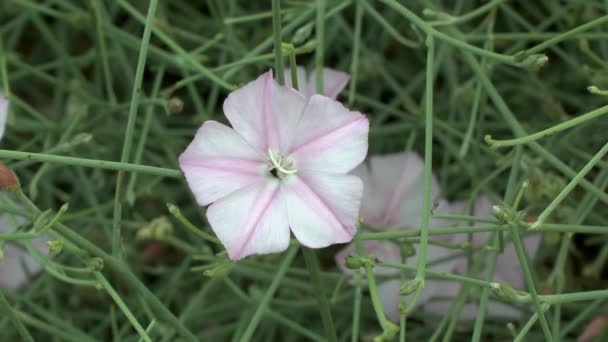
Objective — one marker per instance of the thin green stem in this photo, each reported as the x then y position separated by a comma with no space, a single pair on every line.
354,65
315,277
126,147
5,307
546,132
92,163
278,49
568,188
320,51
121,304
563,36
276,281
428,169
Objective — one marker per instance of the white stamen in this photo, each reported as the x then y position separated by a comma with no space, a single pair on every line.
278,165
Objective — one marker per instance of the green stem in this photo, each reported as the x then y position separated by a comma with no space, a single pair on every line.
356,308
276,281
429,30
530,284
122,271
524,331
546,132
125,309
568,188
320,51
92,163
5,307
278,50
315,277
563,36
126,147
354,66
428,171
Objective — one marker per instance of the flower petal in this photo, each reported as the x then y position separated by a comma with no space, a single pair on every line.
333,82
397,183
264,113
330,138
324,211
302,81
18,266
508,268
218,161
3,114
251,220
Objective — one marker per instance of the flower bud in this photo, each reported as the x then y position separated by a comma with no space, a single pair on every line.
302,33
353,262
96,264
55,247
410,286
8,179
157,229
175,105
505,292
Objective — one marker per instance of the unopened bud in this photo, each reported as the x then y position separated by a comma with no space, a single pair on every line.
302,33
97,264
8,179
535,62
353,262
506,292
55,247
410,286
175,105
220,269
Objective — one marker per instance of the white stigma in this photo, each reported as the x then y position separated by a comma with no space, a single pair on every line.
278,163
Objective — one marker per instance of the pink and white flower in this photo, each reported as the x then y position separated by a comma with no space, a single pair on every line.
393,191
282,165
17,265
333,82
507,270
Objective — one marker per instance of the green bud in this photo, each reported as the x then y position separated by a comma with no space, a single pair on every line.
157,229
96,264
410,286
535,62
302,33
353,262
55,247
505,292
408,249
219,269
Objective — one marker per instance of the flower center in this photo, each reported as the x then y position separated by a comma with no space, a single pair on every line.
280,166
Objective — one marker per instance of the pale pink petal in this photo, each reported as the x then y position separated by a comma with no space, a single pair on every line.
594,329
333,82
218,161
508,268
3,114
251,220
397,183
319,216
330,139
18,265
371,205
264,113
302,81
391,298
